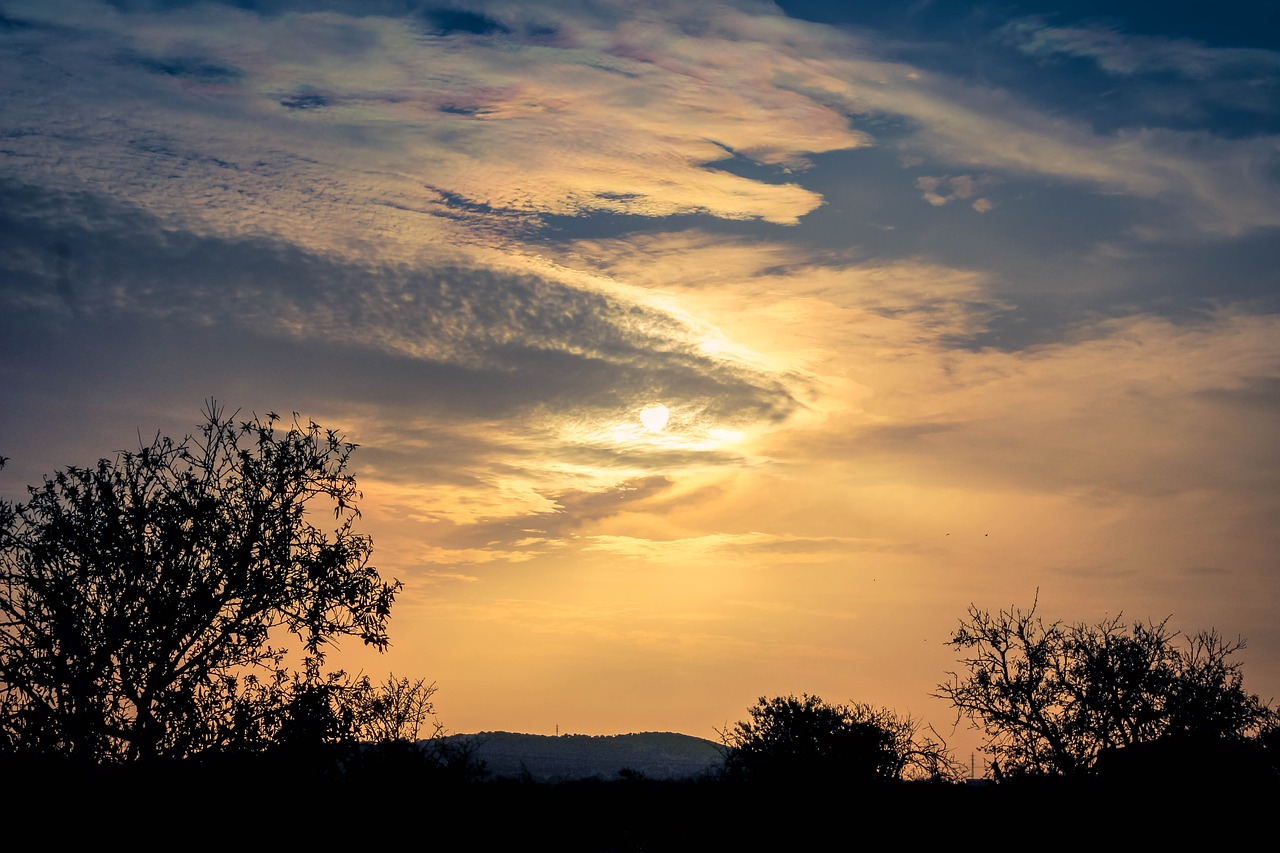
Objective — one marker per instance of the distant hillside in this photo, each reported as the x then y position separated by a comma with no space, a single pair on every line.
548,758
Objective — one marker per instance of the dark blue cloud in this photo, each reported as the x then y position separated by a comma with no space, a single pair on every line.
1239,23
445,21
194,67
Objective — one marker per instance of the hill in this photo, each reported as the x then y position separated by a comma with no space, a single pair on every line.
560,758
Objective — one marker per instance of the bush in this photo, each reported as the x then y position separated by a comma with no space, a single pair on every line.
789,740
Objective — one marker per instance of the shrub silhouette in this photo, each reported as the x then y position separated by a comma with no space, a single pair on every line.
806,740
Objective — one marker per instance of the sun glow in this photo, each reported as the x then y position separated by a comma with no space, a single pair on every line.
725,436
655,417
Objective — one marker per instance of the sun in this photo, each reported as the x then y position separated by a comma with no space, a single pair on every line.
654,417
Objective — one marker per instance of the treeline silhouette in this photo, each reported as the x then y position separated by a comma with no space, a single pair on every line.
137,682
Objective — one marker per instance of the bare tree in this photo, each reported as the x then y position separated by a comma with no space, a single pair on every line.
394,710
1050,697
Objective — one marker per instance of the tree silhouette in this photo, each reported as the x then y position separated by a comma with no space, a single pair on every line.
139,597
806,740
1052,697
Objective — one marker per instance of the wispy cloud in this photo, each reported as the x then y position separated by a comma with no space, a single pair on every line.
383,133
727,547
1128,54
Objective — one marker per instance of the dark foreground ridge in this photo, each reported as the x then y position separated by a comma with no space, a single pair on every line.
259,801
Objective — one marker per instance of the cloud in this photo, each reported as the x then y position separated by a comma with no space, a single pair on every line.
795,312
728,548
497,408
573,343
1123,54
518,529
394,132
888,389
1216,186
372,134
1174,83
941,190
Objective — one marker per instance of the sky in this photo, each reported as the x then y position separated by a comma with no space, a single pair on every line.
943,304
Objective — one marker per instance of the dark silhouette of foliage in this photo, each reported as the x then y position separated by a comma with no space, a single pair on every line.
806,740
1172,756
395,710
354,713
139,598
1052,697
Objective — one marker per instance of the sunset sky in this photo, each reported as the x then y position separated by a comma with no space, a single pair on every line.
946,303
